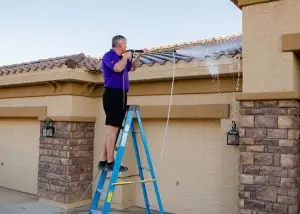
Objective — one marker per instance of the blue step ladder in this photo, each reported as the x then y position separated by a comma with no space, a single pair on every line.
108,193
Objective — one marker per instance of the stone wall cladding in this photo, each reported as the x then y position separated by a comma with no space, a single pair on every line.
66,162
269,157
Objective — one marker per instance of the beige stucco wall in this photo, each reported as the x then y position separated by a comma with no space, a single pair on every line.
265,67
92,107
56,105
80,106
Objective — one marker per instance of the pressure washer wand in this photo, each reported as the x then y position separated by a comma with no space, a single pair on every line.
135,51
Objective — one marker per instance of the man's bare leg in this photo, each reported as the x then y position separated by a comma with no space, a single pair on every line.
104,153
112,133
111,136
107,154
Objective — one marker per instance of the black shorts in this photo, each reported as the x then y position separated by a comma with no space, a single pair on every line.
114,104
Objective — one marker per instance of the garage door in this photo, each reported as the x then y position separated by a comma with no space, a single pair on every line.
19,152
198,172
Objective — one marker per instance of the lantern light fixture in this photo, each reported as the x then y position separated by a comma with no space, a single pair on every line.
233,135
48,129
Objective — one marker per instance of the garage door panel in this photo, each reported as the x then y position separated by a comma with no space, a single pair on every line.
14,179
196,170
188,205
211,186
210,207
19,151
228,195
212,161
189,186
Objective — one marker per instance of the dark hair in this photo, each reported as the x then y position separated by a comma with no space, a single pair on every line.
116,39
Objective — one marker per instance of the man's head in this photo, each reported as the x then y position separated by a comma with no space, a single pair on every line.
119,44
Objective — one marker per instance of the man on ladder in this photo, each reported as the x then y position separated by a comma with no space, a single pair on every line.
116,64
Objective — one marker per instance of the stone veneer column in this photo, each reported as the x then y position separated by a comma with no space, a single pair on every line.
66,162
269,157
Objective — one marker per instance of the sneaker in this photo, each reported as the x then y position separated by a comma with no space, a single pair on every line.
102,165
110,167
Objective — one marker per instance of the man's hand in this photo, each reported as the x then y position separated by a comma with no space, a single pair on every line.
127,55
136,61
119,67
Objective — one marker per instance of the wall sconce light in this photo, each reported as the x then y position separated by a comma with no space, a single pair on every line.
233,135
48,128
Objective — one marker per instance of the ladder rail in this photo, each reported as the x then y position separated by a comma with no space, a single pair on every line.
148,156
97,193
138,160
117,165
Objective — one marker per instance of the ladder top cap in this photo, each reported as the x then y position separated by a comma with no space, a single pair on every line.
133,107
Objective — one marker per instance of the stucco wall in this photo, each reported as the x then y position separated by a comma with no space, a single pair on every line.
57,105
265,67
92,107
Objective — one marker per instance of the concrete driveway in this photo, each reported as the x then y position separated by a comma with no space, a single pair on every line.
13,202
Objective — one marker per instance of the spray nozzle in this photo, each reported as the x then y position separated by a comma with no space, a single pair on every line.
135,51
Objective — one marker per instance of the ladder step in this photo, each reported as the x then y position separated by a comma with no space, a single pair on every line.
133,182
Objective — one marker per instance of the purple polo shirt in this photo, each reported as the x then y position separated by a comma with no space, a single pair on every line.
114,79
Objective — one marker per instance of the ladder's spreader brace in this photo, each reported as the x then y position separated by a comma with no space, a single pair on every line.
108,193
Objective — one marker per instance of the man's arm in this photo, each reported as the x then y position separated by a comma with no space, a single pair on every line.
115,63
119,66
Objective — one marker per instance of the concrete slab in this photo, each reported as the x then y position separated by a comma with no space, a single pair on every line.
14,202
8,196
29,208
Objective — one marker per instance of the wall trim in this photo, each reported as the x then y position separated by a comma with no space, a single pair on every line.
243,3
40,113
23,112
290,42
69,118
194,85
289,95
206,111
186,86
52,88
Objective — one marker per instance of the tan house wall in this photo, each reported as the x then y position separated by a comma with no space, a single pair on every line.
85,107
73,95
269,116
265,67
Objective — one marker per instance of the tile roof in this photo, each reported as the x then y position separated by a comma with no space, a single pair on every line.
83,61
201,49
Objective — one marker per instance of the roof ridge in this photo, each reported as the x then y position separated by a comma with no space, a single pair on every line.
44,60
195,42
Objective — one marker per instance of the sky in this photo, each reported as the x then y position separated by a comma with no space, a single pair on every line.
40,29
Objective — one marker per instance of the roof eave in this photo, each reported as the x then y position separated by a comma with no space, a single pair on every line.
236,2
243,3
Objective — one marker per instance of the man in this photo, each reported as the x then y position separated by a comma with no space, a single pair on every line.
116,64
